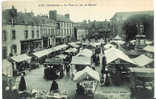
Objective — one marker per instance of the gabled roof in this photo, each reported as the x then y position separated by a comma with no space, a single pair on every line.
112,54
108,46
142,60
149,49
76,60
85,53
117,37
79,76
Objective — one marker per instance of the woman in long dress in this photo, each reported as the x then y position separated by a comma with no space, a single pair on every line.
22,84
54,87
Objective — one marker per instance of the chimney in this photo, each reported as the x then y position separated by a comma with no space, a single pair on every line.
53,14
67,15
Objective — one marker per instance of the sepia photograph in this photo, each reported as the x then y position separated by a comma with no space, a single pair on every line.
78,49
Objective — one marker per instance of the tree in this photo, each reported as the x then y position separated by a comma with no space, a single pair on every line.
130,28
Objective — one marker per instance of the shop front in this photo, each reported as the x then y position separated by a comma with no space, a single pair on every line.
61,40
30,45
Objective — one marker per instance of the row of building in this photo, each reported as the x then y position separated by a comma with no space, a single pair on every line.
27,33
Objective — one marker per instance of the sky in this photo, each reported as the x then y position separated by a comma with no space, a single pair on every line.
80,10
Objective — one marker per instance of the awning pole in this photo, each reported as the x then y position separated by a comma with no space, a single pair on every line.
95,89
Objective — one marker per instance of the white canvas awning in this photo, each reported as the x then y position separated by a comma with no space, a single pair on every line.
7,68
20,58
42,53
118,42
81,75
78,42
71,50
113,54
133,41
84,43
61,47
148,42
62,56
149,49
142,60
107,46
76,60
95,44
143,72
117,38
85,53
74,45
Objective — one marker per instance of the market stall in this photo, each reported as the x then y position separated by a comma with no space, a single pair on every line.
117,37
149,48
143,61
112,54
41,55
118,63
53,68
80,63
7,68
87,81
95,44
61,47
85,53
74,45
72,51
149,42
108,46
21,63
142,78
149,51
78,42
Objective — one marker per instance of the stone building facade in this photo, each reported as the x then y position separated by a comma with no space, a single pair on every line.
26,33
64,27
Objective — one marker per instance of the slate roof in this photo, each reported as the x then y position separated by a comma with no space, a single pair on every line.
27,18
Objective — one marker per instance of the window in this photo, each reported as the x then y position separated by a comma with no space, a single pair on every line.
37,33
4,35
58,25
49,31
4,52
13,49
13,34
33,34
45,31
64,31
26,34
